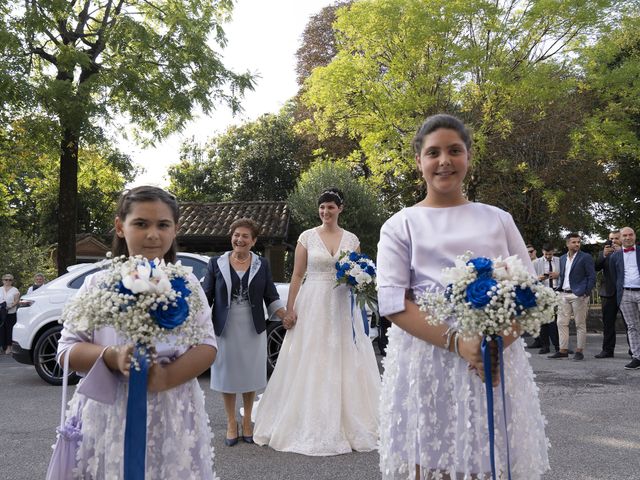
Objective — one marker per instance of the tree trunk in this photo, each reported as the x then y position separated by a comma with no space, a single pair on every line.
67,201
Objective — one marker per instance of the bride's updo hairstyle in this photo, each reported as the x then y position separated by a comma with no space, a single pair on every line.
435,122
331,194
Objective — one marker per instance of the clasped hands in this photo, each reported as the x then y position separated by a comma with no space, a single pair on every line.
470,351
118,359
289,320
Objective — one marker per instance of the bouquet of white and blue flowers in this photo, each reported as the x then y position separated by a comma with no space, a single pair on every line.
486,296
144,301
358,272
491,298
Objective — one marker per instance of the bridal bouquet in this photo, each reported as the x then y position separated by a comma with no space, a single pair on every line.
358,272
144,301
486,296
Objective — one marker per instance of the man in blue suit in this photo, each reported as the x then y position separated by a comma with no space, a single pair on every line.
625,265
575,282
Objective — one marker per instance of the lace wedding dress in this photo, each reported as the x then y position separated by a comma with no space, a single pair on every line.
322,398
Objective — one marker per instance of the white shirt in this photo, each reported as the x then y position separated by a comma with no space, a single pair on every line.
566,285
11,297
631,274
541,266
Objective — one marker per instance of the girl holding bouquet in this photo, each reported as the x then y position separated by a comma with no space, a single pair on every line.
433,408
323,394
178,437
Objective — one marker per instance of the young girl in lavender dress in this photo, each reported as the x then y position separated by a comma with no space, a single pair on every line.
433,408
178,434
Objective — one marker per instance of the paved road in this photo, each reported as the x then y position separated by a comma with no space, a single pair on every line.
592,410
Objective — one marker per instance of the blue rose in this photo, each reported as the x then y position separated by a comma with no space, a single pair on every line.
370,269
483,265
352,280
525,298
173,316
179,285
478,291
354,256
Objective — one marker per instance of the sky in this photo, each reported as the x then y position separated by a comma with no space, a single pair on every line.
263,37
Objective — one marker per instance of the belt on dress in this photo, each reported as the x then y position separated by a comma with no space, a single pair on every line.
633,289
567,291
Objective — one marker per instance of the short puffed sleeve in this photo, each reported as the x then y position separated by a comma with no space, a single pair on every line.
394,266
303,239
351,241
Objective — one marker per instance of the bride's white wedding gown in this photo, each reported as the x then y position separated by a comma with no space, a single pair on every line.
322,398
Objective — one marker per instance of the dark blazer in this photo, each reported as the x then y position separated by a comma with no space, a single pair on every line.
617,269
608,284
217,287
582,275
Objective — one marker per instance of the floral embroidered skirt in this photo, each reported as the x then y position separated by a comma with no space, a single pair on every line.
179,439
433,413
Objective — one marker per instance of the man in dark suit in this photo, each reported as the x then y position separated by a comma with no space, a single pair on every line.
577,279
625,265
608,295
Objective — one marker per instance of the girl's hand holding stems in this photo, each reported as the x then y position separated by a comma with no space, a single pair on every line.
412,320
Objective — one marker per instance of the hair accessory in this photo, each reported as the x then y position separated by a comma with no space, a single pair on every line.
334,193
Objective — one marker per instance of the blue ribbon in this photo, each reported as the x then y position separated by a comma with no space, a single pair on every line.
353,322
488,381
135,433
365,320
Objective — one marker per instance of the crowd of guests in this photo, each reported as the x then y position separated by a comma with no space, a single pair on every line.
573,276
9,300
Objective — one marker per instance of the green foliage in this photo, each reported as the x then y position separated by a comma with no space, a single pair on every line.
23,258
255,161
363,212
82,64
610,135
30,180
506,68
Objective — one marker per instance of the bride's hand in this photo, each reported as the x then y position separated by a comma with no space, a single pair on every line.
290,320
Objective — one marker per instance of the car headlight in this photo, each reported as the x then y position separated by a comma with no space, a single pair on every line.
25,303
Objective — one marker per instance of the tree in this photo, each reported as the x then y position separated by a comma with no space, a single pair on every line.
84,63
500,65
363,214
255,161
610,135
31,181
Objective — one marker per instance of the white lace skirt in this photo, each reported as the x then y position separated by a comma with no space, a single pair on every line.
322,398
179,440
433,414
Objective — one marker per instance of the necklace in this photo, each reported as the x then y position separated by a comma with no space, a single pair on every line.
235,257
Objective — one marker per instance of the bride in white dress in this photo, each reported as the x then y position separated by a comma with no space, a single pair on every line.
322,398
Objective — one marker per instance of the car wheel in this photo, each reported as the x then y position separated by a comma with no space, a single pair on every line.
44,358
275,337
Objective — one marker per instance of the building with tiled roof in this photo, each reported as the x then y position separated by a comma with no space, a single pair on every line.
204,228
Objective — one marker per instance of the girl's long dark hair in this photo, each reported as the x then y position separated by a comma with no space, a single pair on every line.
144,194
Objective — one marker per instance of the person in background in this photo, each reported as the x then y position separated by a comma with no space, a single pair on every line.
9,298
38,281
238,284
608,295
547,269
626,272
533,256
577,279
